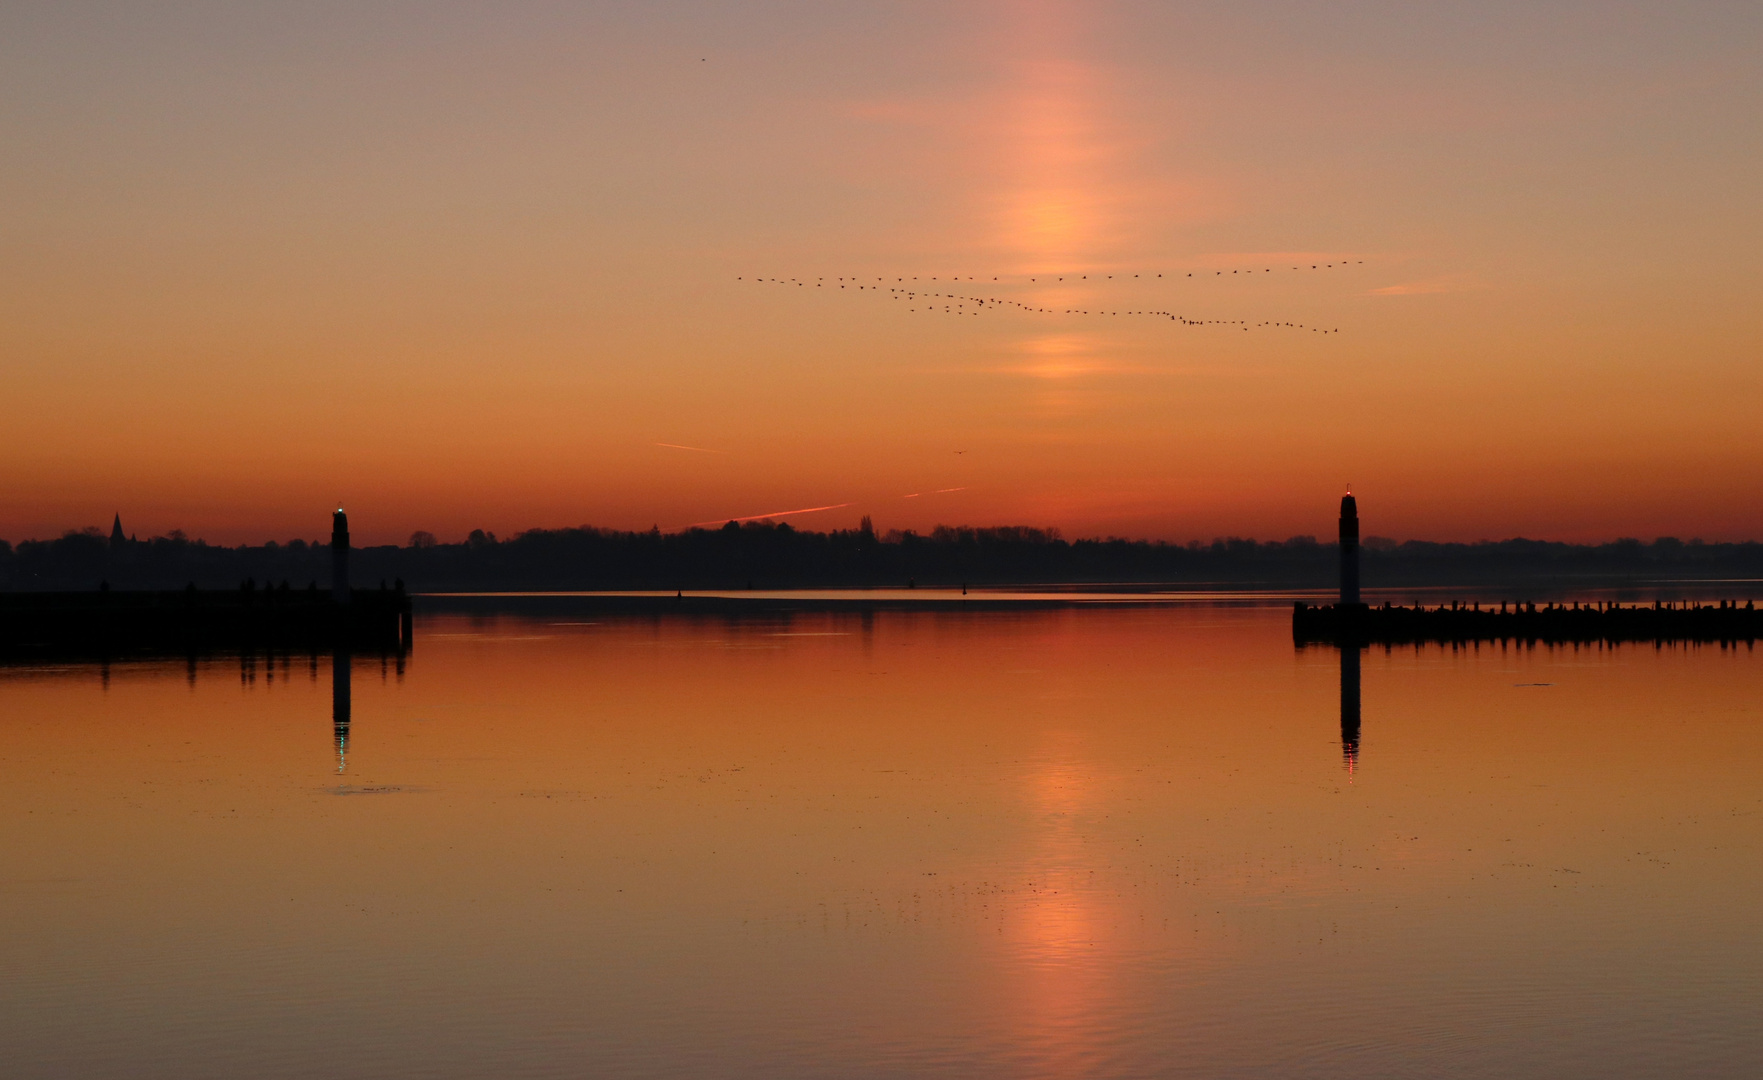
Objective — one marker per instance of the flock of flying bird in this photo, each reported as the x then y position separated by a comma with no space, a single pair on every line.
918,291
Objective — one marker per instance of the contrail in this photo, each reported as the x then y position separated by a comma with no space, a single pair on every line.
774,514
699,449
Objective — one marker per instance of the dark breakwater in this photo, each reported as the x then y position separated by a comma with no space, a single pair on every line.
109,623
1724,620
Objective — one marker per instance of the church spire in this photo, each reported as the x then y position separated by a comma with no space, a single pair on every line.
117,538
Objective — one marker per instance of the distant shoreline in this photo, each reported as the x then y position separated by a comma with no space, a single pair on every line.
764,557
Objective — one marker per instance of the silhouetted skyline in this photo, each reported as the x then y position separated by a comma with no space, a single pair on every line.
778,555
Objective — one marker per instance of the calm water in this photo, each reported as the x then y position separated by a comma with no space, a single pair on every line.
1046,844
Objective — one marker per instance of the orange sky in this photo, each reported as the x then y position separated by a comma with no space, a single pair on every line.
473,268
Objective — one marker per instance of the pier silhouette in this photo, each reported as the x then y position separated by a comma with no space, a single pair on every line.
1352,624
1725,622
114,622
110,622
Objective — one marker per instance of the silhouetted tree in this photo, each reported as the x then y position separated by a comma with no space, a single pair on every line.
773,555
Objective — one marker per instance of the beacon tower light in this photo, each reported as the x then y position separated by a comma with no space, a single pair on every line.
340,557
1349,549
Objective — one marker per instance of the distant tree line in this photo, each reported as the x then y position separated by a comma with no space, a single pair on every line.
765,555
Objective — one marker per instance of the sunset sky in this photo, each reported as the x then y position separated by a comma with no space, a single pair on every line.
494,266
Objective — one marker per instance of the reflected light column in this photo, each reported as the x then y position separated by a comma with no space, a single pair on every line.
340,664
1350,707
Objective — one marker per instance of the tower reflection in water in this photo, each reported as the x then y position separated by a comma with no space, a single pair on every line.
342,670
1350,708
341,661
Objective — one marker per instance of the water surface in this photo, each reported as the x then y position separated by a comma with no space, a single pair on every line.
1106,842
